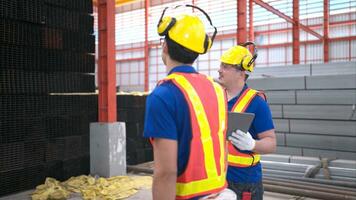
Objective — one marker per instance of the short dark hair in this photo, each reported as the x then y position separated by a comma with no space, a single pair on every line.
179,53
246,77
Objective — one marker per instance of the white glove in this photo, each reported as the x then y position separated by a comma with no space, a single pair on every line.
242,140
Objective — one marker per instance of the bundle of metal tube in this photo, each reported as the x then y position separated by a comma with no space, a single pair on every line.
306,187
309,189
313,180
320,178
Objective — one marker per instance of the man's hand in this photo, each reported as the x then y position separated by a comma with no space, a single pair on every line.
242,140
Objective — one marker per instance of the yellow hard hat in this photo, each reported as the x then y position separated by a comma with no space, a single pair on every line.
239,55
186,30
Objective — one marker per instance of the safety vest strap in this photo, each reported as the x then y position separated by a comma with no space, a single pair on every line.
211,176
244,100
235,157
201,187
239,159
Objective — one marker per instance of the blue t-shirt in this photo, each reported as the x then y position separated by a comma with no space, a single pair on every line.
262,122
167,116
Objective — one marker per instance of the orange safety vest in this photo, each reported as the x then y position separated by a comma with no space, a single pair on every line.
205,172
235,157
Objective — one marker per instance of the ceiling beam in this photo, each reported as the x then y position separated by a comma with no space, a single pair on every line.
117,2
286,17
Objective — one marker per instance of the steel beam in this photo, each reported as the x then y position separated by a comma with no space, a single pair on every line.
326,31
251,35
146,44
331,24
286,44
193,3
296,36
241,34
131,59
130,49
117,2
287,18
107,68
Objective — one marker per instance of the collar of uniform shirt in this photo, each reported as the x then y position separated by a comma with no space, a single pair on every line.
183,68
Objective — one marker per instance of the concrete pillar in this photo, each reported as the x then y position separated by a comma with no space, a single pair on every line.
108,149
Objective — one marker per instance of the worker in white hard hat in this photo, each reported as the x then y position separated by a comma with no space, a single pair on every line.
244,148
186,117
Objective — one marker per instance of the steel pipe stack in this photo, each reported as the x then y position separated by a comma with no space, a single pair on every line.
47,47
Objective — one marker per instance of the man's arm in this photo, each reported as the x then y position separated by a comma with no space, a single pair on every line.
165,169
266,143
265,130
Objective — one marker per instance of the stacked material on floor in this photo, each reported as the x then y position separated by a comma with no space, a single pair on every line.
131,110
298,186
309,167
88,187
313,69
47,46
321,178
313,109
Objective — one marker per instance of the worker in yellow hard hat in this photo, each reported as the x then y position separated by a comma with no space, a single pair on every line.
186,117
244,148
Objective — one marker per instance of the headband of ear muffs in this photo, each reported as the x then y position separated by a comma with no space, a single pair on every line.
248,61
165,23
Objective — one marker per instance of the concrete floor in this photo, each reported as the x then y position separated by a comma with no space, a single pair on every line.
26,195
146,195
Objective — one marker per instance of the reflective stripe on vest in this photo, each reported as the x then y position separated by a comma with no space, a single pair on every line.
235,157
208,136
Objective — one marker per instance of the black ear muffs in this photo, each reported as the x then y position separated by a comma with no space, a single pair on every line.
247,61
207,43
166,23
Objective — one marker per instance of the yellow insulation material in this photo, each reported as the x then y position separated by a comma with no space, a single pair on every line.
118,187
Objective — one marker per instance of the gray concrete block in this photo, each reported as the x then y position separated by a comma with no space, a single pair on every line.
289,150
281,125
329,154
130,88
326,97
345,172
326,127
276,111
108,149
282,71
331,82
305,160
275,158
281,138
285,166
340,112
343,163
325,142
333,68
277,83
281,97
